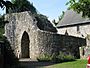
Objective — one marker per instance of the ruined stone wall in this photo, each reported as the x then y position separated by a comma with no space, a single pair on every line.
54,43
39,41
18,24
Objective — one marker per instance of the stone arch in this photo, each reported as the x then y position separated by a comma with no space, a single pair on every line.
25,45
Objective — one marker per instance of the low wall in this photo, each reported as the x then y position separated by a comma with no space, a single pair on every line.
54,43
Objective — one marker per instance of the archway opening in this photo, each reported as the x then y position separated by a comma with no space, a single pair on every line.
25,45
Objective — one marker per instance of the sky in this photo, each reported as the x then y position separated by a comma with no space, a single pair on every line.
51,8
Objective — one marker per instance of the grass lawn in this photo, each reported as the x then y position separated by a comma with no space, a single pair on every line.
75,64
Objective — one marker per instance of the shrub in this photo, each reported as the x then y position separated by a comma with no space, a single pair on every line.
44,58
10,60
56,58
69,58
62,57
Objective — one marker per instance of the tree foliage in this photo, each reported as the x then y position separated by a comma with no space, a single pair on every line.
23,5
6,4
59,18
2,3
17,6
82,6
54,21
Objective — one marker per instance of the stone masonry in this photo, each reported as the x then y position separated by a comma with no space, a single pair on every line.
82,31
28,41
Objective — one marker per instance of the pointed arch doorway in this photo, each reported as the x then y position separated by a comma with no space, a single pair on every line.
25,45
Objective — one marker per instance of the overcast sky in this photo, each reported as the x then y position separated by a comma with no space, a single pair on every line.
51,8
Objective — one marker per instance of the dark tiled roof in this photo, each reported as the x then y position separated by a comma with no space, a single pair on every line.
71,17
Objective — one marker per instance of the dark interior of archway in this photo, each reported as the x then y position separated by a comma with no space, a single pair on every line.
25,45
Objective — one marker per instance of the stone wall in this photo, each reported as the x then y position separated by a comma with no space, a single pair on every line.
14,30
53,43
39,41
82,31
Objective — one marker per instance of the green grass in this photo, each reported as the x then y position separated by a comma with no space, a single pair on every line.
74,64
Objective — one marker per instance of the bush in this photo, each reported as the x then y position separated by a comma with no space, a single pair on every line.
10,60
69,58
44,58
65,57
56,58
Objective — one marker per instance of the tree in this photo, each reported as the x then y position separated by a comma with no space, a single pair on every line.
54,21
2,3
23,5
6,4
17,6
80,6
59,18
